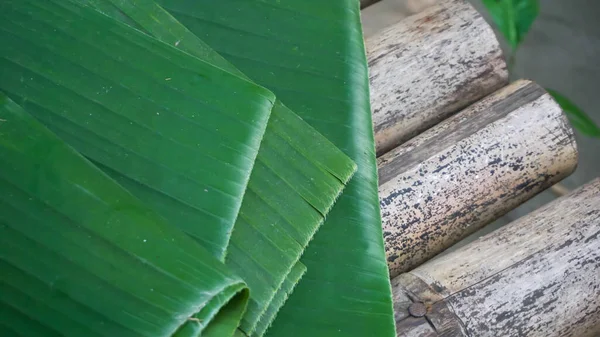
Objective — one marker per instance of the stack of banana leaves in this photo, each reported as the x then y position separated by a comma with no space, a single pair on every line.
188,168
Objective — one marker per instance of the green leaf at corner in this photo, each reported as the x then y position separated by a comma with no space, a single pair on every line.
580,120
80,256
513,18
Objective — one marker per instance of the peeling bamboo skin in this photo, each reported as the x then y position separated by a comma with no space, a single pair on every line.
469,170
428,66
538,276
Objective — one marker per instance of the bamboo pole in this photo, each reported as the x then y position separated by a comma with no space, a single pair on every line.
538,276
427,67
471,169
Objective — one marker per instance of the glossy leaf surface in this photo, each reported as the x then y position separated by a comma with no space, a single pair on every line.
163,123
283,293
311,54
80,256
291,188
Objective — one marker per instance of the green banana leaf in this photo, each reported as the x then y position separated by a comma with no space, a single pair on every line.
173,136
280,298
275,224
291,189
270,208
80,256
311,54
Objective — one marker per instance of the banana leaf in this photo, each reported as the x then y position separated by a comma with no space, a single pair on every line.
280,298
310,53
287,197
291,188
173,135
80,256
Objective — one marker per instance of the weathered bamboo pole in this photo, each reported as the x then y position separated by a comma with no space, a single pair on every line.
538,276
471,169
428,66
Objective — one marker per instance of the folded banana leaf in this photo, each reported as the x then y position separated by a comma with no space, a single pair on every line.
183,139
311,54
280,298
80,256
291,188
